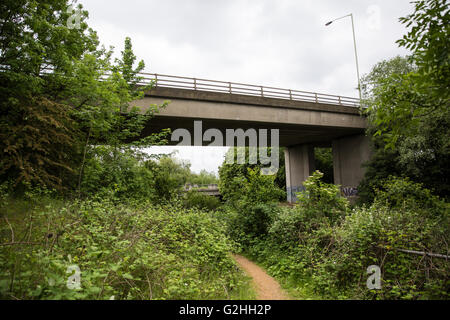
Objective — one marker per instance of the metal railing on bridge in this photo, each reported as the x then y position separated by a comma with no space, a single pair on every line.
167,81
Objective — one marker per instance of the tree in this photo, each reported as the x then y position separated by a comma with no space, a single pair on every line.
382,72
37,135
324,163
61,94
170,175
204,177
232,176
404,101
408,106
105,114
384,161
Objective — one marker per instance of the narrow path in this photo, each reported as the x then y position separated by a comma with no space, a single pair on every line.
267,288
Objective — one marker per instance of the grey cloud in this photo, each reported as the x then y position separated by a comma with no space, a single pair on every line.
280,43
258,41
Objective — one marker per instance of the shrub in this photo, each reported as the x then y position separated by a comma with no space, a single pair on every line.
322,246
232,176
134,251
117,174
321,200
195,199
372,236
398,192
324,163
250,214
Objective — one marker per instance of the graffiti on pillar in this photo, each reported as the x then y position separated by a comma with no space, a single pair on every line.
292,193
349,191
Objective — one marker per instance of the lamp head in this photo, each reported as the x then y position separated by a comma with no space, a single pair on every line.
328,23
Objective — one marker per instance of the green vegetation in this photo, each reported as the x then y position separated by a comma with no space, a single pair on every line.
233,176
324,163
195,199
321,248
202,178
77,189
80,197
127,250
408,104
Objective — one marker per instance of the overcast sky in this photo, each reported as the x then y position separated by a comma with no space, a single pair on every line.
280,43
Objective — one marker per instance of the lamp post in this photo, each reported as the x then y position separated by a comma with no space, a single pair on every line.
354,42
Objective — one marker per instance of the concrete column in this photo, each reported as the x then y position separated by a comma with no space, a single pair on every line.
349,154
299,166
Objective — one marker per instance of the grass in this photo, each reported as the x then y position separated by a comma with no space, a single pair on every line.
298,291
245,291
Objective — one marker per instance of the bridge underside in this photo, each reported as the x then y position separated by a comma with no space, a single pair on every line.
290,134
302,126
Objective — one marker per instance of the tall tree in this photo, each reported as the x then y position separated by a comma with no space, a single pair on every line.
408,107
37,135
61,93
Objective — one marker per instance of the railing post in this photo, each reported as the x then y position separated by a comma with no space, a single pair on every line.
290,94
156,79
317,98
262,91
340,102
229,87
195,84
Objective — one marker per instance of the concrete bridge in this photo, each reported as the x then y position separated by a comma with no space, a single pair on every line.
305,120
208,189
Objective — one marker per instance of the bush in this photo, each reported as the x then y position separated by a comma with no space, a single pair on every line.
125,174
250,214
372,236
134,251
321,200
195,199
324,163
233,176
397,192
322,246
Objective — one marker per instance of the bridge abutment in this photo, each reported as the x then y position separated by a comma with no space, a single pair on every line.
300,164
349,154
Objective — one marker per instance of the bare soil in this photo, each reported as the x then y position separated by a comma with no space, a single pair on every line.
267,288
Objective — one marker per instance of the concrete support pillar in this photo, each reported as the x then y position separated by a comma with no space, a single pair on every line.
349,154
299,166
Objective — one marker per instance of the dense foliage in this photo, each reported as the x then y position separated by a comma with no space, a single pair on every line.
196,199
125,251
322,248
203,178
324,163
408,104
80,196
233,176
249,212
78,192
36,132
60,94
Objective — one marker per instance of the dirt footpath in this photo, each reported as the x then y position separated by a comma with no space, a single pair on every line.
267,288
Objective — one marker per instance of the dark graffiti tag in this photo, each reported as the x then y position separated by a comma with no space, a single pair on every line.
292,193
349,191
346,192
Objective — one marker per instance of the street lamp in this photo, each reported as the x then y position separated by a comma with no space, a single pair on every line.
354,42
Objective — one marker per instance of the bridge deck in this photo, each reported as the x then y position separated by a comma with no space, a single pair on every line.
301,117
196,84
